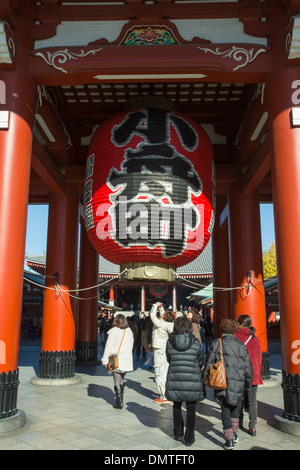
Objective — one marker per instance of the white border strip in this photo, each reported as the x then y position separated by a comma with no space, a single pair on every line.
149,76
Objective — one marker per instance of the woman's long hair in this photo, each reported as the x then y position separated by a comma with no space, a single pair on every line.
120,321
196,318
246,322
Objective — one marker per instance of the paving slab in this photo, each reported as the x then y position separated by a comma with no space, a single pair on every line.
81,417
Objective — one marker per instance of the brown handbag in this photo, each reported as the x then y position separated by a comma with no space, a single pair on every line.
216,377
113,361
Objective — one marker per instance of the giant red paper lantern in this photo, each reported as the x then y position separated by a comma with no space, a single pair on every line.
149,188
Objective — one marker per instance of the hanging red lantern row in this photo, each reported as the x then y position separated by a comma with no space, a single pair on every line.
150,188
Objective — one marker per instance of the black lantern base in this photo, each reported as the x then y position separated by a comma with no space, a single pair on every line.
291,396
9,383
56,364
289,422
265,365
11,418
56,368
86,352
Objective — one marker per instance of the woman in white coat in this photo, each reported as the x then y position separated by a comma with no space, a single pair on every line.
120,332
163,325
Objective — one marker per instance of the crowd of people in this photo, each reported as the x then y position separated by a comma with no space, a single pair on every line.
181,351
31,328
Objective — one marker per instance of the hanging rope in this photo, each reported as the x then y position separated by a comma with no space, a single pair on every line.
57,288
249,284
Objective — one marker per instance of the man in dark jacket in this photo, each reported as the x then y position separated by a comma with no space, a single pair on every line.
184,381
238,374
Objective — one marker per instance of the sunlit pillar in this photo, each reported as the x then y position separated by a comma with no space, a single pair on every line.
221,272
18,103
143,300
57,356
86,344
174,300
246,267
282,92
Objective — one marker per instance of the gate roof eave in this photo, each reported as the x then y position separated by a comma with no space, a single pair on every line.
223,63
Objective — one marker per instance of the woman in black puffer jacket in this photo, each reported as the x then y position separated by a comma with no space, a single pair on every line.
238,374
184,381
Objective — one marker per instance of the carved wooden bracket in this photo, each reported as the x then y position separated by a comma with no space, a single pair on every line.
292,42
149,33
7,46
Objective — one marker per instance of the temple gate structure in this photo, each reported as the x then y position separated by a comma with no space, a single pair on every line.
66,67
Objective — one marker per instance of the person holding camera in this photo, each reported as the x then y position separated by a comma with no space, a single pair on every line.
163,325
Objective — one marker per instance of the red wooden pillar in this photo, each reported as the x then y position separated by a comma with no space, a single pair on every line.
221,271
57,356
174,300
86,345
15,161
116,295
281,90
246,268
143,300
111,296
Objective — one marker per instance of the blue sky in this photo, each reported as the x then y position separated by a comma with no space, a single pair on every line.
267,225
37,224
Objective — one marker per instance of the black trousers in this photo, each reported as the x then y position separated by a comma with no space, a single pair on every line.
190,419
228,412
250,402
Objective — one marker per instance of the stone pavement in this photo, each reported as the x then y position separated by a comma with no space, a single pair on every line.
81,416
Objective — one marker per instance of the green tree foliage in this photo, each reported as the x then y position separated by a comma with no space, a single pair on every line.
269,261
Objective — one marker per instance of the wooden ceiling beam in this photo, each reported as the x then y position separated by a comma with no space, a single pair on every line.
132,10
228,173
180,62
45,167
75,174
49,15
258,168
212,111
9,10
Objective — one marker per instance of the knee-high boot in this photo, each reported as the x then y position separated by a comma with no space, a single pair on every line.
119,397
122,393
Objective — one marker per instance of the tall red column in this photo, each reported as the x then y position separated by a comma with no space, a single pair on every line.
57,356
174,300
281,89
112,295
246,268
221,271
143,300
86,344
15,161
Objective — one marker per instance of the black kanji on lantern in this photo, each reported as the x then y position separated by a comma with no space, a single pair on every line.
152,205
